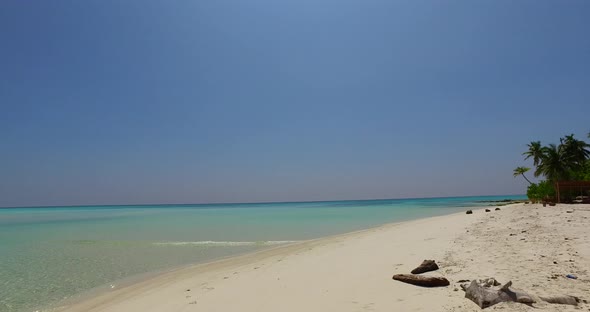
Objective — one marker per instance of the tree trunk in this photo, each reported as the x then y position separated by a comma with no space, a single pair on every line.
558,194
526,178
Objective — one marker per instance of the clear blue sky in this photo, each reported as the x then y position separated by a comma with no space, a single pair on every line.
122,102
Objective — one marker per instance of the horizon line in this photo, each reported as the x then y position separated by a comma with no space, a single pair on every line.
251,203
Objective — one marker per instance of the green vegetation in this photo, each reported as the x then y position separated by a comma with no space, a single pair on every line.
570,160
521,171
542,191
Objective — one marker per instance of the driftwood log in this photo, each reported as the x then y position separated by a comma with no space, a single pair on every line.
421,280
425,266
485,296
571,300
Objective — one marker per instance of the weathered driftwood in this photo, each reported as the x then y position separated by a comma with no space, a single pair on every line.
489,282
571,300
520,296
486,296
425,266
421,280
482,293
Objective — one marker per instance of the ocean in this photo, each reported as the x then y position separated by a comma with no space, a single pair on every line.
50,254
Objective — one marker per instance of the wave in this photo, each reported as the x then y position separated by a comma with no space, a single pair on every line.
225,244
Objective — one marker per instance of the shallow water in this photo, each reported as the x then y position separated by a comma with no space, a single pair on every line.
48,254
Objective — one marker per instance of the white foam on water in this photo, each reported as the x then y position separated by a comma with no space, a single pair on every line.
224,244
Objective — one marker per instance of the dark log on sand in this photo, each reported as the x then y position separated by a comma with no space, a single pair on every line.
421,280
468,212
426,266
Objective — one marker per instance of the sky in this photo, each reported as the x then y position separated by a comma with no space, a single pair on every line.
142,101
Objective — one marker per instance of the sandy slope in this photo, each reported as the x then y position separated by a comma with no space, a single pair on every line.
353,272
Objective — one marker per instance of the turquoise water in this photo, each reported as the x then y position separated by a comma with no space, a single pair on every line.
48,254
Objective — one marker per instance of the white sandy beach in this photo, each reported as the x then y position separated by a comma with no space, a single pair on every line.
352,272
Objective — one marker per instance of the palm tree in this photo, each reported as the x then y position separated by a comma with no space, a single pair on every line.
521,171
554,165
535,151
576,151
557,163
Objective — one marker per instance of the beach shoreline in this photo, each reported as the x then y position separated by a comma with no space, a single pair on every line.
60,256
352,271
228,261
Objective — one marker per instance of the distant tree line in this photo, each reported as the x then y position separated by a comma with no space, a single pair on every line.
567,161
